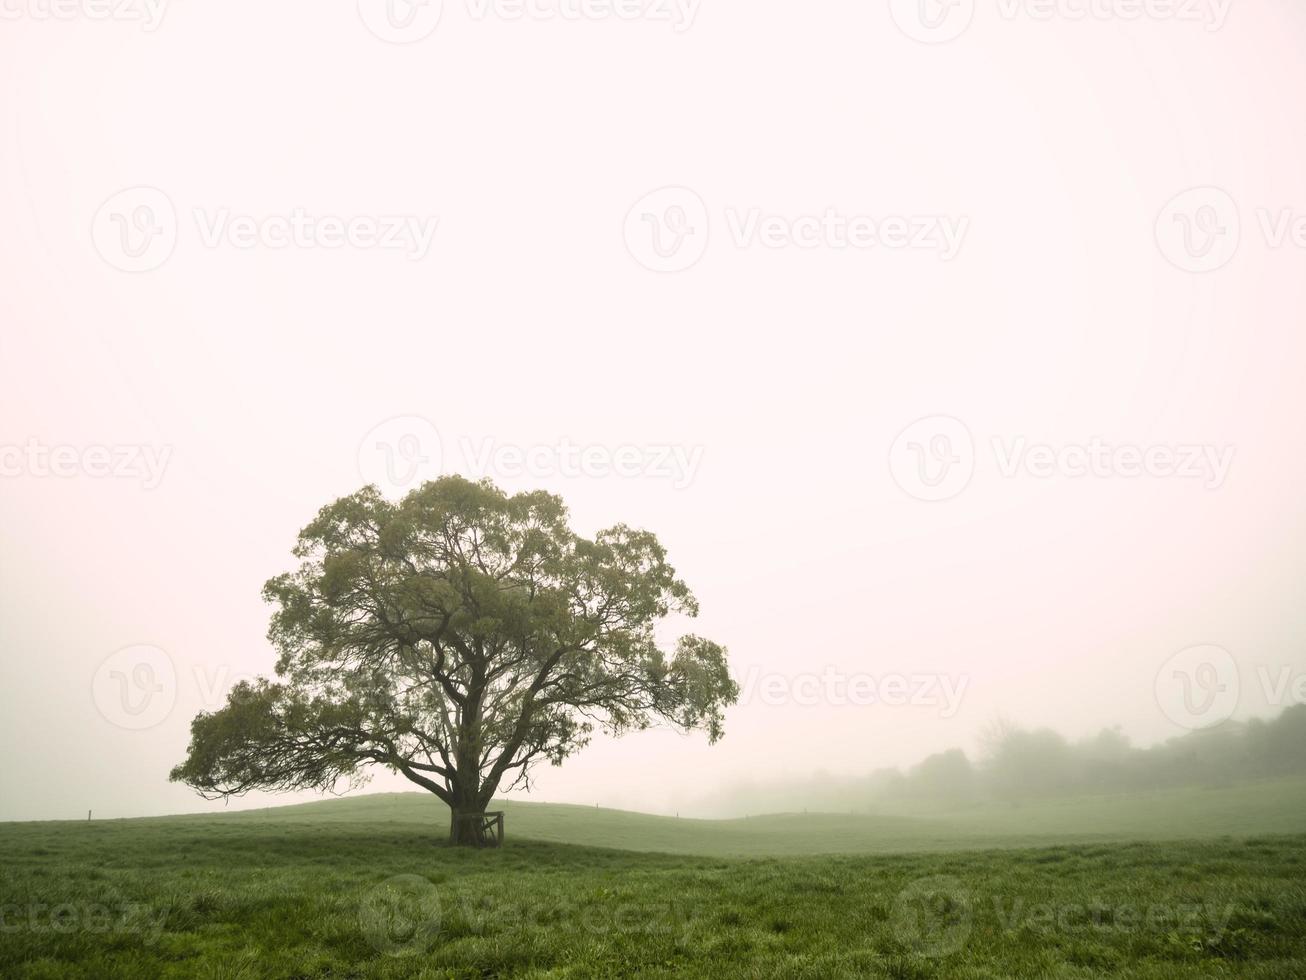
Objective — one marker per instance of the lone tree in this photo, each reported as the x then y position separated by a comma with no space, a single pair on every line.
458,637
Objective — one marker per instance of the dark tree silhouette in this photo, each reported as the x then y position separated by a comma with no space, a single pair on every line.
458,637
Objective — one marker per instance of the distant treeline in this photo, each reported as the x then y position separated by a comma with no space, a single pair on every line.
1017,764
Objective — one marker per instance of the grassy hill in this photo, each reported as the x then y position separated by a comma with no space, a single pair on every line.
1271,807
363,887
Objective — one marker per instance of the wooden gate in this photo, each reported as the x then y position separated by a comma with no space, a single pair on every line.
485,829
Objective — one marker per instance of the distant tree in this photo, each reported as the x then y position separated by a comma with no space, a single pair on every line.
1110,745
945,777
1017,764
883,786
458,637
1107,761
1279,746
1028,763
1215,756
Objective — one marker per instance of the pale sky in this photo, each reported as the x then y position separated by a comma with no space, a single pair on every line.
704,274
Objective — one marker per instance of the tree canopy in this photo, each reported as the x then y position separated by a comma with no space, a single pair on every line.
458,636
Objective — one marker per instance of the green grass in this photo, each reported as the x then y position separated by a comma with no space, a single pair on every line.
1270,807
362,887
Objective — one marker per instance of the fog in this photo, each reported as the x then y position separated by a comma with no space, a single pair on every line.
1043,477
1014,766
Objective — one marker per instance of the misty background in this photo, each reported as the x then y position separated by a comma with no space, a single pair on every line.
761,392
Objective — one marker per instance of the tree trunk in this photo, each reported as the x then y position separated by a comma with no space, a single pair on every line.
471,793
466,826
467,815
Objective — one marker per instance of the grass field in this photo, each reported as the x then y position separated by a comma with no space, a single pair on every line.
1271,807
362,887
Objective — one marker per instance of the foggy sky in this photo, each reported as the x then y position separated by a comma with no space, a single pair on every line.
763,389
